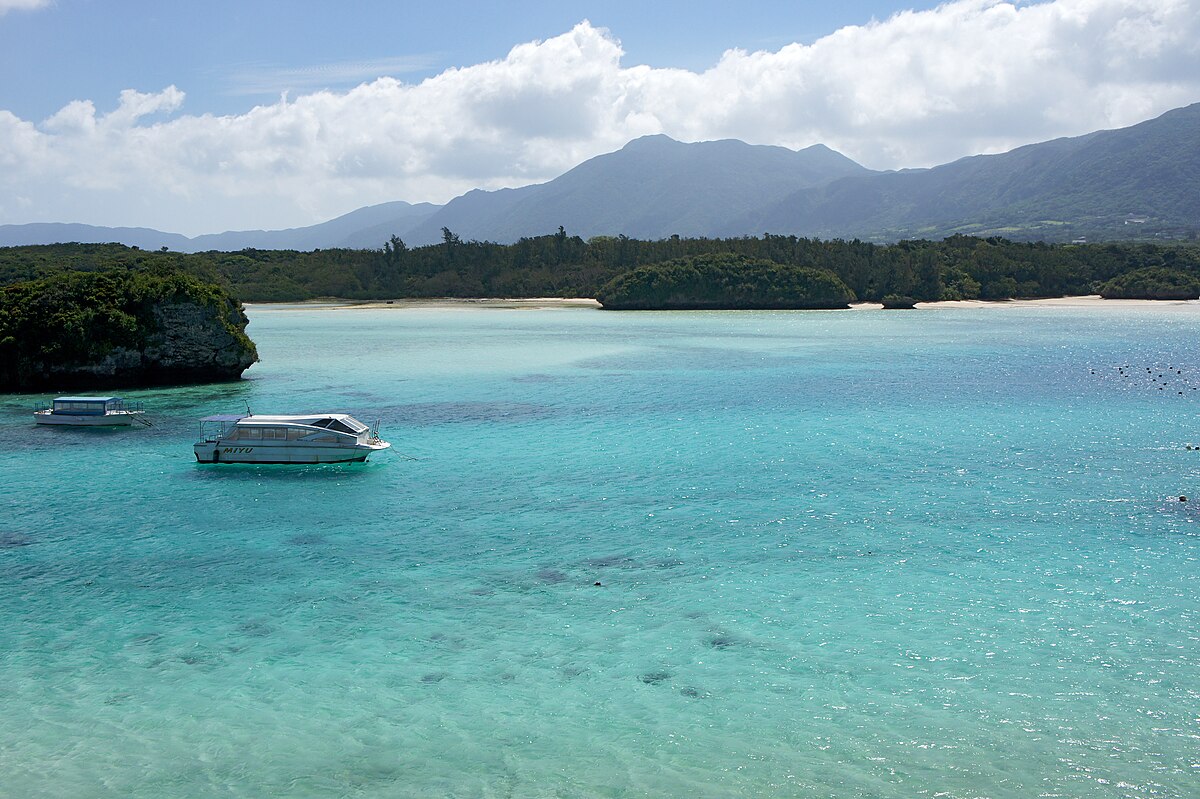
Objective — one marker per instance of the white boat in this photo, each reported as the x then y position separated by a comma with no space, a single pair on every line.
89,412
318,438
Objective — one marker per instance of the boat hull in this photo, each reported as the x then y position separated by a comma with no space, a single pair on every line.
112,419
208,452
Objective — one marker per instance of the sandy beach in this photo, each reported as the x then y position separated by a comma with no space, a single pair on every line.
1089,301
1092,301
531,303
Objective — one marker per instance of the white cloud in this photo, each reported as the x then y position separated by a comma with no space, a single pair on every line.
259,79
917,89
21,5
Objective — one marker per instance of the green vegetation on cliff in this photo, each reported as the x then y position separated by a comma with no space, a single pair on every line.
722,281
119,327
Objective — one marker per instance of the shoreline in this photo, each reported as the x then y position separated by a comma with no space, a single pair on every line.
1091,301
446,303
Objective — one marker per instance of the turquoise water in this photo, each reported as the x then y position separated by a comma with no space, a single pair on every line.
841,554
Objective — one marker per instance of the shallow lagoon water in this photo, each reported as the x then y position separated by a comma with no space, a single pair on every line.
848,554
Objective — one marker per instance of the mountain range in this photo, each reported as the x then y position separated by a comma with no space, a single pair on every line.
1117,184
1135,182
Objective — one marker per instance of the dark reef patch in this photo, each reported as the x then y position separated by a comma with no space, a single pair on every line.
255,629
611,561
10,539
721,641
438,413
655,677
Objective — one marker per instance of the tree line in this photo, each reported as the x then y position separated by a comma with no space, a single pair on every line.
562,265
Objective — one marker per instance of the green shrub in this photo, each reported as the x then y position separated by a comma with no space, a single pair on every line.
1152,283
724,280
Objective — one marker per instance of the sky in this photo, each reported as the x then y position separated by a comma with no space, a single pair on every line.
203,117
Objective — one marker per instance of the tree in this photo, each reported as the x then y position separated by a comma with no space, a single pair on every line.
450,242
394,247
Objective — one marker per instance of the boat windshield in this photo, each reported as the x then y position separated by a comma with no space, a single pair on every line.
344,424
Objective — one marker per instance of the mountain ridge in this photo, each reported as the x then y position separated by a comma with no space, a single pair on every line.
1081,184
653,187
1124,183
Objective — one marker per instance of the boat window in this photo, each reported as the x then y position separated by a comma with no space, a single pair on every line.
79,406
251,432
296,433
325,439
341,427
323,423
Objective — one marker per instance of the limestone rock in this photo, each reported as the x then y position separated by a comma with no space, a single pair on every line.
81,331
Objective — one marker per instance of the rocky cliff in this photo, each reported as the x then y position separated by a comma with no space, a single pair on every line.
93,330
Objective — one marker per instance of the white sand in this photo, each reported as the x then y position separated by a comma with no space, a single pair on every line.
1092,301
533,303
538,303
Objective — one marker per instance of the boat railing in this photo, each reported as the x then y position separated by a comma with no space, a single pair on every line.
374,433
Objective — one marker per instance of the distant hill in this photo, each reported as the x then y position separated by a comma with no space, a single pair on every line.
653,187
66,232
365,228
1128,183
1133,183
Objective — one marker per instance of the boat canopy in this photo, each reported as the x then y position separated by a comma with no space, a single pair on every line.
225,417
86,406
339,422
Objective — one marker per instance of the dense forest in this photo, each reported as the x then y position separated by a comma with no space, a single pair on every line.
561,265
723,281
1153,283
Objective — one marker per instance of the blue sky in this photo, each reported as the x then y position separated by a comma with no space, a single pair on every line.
228,56
202,117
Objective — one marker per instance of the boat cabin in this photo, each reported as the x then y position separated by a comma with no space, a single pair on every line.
90,412
326,429
317,438
88,406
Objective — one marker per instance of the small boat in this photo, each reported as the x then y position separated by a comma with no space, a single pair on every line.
319,438
90,412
